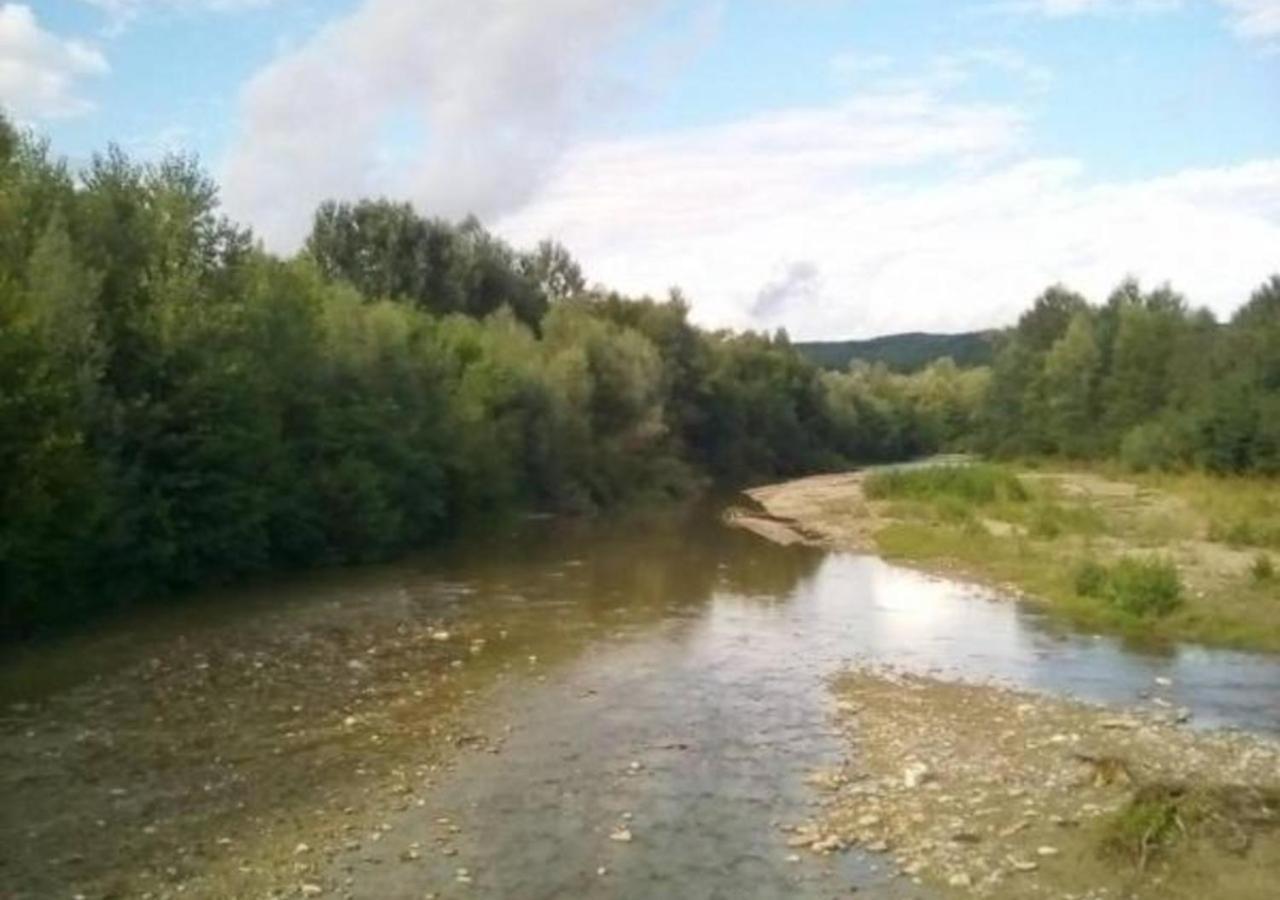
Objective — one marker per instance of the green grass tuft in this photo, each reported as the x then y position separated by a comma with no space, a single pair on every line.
1139,587
977,484
1161,815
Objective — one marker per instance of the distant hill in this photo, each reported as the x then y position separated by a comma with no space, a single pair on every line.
904,352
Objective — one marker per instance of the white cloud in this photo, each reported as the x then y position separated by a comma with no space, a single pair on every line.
498,86
40,71
900,208
727,212
1255,19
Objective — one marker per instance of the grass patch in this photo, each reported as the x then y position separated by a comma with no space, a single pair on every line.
1139,587
1246,532
1161,816
1048,519
1101,555
976,484
1050,573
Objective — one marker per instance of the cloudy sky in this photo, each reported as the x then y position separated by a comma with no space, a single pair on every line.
839,167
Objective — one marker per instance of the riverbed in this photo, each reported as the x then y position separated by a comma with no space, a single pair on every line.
622,708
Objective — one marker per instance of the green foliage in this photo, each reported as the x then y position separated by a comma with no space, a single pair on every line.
1154,819
1163,816
976,484
903,353
1153,446
1138,587
1091,579
1047,519
178,408
1246,532
387,251
1144,378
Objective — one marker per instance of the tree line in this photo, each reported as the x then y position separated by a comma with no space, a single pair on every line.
1144,378
180,408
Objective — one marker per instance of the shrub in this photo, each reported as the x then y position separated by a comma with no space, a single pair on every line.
1145,587
977,484
1150,822
1162,815
1046,521
1091,578
1152,445
1139,587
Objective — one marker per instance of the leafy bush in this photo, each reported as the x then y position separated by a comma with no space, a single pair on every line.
1091,578
977,484
1139,587
1151,446
1145,587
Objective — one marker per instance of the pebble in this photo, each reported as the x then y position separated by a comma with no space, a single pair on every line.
915,775
621,835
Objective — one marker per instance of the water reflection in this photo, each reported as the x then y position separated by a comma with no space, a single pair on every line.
697,650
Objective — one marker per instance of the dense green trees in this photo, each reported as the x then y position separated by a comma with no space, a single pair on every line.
386,250
1143,377
178,407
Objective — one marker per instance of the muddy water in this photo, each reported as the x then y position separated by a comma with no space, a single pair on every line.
478,722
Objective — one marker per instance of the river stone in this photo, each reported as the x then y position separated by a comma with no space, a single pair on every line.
915,775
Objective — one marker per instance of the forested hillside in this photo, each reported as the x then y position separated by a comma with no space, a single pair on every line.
905,353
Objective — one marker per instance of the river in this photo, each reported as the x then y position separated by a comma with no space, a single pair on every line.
484,720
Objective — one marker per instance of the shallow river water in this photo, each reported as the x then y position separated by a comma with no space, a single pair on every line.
663,675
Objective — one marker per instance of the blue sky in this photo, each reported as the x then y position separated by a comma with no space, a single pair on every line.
866,165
